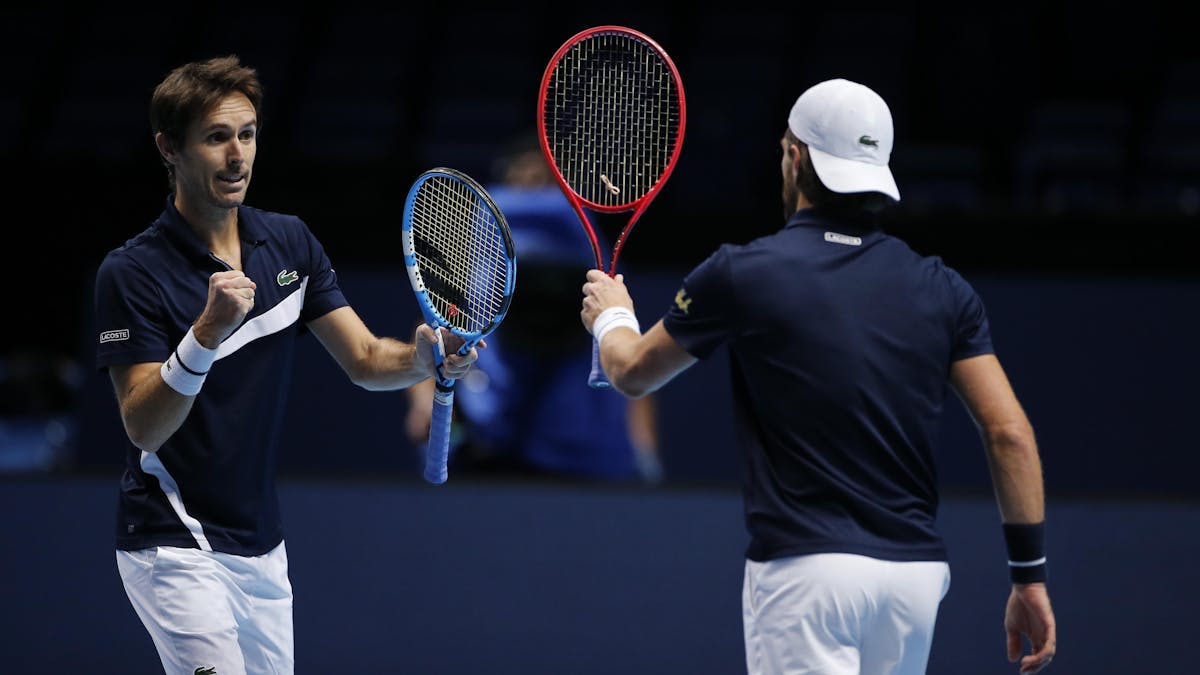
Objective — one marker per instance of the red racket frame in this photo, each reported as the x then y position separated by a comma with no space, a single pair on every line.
577,201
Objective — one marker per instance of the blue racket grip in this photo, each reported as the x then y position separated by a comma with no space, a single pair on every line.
597,380
437,454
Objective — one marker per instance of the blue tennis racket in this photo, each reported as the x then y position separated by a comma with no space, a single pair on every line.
463,268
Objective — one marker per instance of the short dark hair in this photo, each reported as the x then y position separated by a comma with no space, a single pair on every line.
192,89
820,196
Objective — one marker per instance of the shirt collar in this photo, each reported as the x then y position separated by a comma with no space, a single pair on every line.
818,218
250,229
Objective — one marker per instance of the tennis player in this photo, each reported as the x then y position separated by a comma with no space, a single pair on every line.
842,341
199,316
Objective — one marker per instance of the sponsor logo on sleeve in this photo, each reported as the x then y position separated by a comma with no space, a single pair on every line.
682,301
114,335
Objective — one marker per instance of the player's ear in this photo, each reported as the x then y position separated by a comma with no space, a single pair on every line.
798,153
795,154
165,148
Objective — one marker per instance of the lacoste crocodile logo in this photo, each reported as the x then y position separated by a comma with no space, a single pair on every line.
211,670
682,301
285,277
867,140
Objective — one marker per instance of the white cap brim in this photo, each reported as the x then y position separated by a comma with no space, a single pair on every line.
848,175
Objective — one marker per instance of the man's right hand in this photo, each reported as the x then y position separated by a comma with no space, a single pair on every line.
230,299
1029,614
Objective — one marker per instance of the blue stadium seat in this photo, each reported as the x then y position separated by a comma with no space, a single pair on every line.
1072,159
940,179
1168,164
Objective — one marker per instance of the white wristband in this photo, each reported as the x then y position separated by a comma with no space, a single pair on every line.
185,369
614,317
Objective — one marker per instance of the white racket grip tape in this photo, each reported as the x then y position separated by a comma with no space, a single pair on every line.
441,344
437,454
597,379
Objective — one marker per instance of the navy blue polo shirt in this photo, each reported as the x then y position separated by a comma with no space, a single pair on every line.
212,484
840,340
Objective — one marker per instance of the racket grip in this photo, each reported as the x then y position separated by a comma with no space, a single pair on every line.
437,454
597,380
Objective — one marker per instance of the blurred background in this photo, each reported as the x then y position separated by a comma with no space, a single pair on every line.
1049,151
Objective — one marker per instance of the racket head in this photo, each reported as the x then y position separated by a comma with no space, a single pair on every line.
459,254
611,117
611,121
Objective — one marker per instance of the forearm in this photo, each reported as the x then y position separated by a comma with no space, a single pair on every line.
638,365
390,364
1016,473
618,357
152,412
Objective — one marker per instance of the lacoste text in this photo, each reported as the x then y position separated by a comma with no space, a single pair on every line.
114,335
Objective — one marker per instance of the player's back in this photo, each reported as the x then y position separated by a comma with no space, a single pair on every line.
841,339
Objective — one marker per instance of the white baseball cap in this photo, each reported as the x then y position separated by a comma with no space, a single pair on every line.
848,130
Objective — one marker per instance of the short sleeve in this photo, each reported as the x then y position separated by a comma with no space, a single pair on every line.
131,327
972,334
703,316
323,294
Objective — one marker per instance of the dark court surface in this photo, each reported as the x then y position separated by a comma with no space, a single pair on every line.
396,576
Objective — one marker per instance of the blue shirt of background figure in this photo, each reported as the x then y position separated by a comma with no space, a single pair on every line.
531,406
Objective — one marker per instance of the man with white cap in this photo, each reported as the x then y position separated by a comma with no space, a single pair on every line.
841,342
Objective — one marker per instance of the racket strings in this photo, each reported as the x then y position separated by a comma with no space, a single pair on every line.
461,253
612,118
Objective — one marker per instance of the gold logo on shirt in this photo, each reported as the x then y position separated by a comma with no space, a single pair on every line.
682,301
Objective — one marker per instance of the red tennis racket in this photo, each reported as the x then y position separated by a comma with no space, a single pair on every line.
611,115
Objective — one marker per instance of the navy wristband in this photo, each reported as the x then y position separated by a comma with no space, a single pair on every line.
1026,545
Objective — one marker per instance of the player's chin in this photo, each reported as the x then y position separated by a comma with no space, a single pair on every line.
231,194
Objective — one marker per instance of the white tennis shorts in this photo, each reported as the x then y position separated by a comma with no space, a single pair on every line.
213,613
840,614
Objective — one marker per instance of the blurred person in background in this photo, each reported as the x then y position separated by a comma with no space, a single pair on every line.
528,411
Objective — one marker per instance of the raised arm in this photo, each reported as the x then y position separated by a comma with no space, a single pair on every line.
155,398
635,363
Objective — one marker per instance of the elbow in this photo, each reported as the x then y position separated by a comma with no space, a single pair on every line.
364,382
631,384
362,376
143,439
630,390
372,380
1013,439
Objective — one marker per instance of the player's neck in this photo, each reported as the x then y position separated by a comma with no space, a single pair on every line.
216,227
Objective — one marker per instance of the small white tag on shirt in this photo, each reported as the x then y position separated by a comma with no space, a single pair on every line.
843,239
114,335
